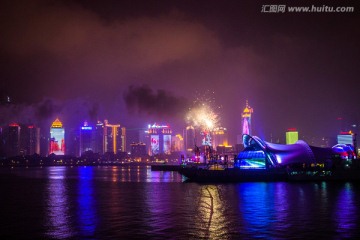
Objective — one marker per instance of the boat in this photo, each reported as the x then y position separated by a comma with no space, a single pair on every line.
207,174
266,162
211,174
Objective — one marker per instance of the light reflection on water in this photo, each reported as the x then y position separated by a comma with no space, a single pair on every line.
210,220
257,208
346,208
86,203
125,202
57,205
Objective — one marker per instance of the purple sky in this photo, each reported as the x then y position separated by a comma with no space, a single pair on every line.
82,59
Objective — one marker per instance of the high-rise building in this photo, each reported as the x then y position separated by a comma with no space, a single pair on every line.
113,138
246,119
87,138
13,140
160,139
57,138
177,143
143,136
292,136
138,150
346,138
219,137
190,138
44,143
32,140
99,138
2,143
123,139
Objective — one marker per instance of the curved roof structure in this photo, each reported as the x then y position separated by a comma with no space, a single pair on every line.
280,154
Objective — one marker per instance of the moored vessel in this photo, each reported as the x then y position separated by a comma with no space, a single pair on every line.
263,161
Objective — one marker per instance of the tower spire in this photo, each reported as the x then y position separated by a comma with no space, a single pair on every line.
246,119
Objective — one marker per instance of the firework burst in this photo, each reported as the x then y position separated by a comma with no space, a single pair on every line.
203,113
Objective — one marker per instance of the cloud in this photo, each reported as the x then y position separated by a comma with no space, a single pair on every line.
83,61
75,34
69,51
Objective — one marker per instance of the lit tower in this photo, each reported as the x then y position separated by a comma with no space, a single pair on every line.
246,119
57,138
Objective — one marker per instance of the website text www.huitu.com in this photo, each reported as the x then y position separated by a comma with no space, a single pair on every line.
306,9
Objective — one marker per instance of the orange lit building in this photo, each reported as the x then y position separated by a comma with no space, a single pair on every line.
219,137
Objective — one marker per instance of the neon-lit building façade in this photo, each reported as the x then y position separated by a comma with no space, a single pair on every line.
57,138
160,139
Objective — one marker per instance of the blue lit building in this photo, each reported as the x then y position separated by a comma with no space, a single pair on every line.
263,155
87,138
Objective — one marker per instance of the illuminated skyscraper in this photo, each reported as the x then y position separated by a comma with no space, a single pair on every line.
57,138
112,137
160,139
246,119
87,141
190,138
177,143
346,138
292,136
219,137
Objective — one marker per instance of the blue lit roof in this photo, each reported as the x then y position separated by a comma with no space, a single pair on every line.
280,154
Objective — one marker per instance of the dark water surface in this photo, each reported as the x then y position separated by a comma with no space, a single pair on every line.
132,202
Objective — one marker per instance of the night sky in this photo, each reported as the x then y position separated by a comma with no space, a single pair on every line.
137,62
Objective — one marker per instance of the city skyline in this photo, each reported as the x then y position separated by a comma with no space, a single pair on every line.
136,62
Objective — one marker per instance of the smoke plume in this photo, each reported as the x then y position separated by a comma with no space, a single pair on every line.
158,103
